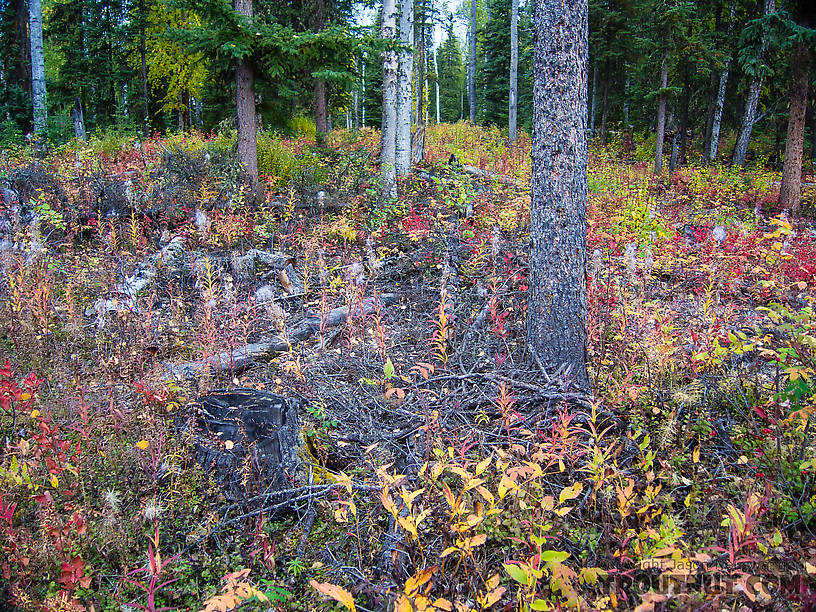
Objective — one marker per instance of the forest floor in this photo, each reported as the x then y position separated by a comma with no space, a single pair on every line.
437,467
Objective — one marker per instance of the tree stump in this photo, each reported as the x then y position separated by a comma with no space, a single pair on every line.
250,440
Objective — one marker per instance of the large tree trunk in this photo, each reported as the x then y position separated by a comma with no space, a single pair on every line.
751,102
513,114
245,107
471,74
404,89
661,113
791,189
390,68
38,94
556,308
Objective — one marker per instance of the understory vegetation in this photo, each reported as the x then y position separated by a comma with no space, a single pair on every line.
440,469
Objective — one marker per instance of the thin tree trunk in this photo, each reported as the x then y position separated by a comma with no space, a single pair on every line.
418,140
710,107
513,114
363,101
404,90
471,80
791,188
245,107
390,69
78,119
37,67
321,105
593,104
661,113
22,70
605,103
685,100
718,111
436,70
718,107
556,304
752,101
626,87
143,57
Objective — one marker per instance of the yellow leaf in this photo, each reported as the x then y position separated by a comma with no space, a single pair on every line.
337,593
54,481
25,397
695,456
810,568
142,444
416,582
443,604
570,492
483,465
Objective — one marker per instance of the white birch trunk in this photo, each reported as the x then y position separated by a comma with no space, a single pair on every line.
37,66
436,69
390,68
513,116
404,88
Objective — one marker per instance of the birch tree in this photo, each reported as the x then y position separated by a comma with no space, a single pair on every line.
388,133
37,66
513,110
404,88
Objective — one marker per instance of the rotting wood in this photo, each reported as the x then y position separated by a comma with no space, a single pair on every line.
244,357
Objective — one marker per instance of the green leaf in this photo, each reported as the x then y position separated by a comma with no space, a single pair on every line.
517,573
554,556
388,369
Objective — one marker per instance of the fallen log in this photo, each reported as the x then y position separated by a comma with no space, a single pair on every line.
244,357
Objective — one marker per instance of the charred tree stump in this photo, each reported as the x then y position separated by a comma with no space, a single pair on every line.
248,439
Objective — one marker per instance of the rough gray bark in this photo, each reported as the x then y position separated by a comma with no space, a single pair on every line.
471,73
661,113
791,189
37,66
556,307
245,107
390,68
513,116
404,88
751,102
